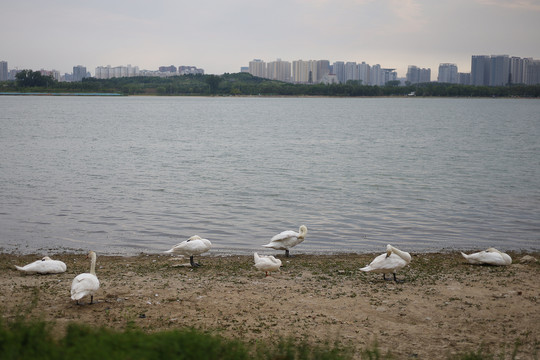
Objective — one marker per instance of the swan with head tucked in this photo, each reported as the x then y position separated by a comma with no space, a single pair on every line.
389,262
266,263
87,283
490,256
287,239
195,245
43,266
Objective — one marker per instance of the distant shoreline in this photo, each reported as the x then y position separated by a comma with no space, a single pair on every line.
249,252
56,94
262,96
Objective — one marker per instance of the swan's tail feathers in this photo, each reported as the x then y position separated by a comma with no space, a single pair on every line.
465,256
366,268
256,257
19,268
268,245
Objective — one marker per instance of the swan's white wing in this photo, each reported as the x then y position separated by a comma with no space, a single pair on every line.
30,268
284,235
267,263
385,264
191,247
83,285
284,240
44,267
52,267
274,260
486,257
178,248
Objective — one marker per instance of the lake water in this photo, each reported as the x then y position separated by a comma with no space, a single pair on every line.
140,174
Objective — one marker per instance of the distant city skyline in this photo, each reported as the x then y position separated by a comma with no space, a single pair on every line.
92,71
221,36
486,70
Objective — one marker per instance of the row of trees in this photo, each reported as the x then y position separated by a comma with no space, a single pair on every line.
29,78
246,84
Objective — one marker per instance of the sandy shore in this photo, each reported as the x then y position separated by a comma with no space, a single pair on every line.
444,306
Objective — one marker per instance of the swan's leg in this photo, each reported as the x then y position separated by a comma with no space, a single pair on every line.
193,263
384,277
91,299
396,280
266,273
286,252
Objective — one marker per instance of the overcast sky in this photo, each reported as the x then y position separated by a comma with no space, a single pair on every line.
223,35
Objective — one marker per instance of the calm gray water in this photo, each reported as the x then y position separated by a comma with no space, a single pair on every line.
139,174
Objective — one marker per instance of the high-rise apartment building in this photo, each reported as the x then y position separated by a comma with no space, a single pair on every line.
417,75
257,67
108,72
323,69
448,73
304,71
168,69
499,70
364,73
480,70
3,70
391,75
339,70
532,71
351,71
79,73
502,70
376,77
279,70
517,70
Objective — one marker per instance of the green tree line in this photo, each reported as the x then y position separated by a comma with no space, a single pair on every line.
247,85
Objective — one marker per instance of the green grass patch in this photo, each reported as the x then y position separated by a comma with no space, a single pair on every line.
33,339
27,339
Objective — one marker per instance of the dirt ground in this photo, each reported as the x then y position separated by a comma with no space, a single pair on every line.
445,306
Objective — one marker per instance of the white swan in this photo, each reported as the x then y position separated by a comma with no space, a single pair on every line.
389,262
266,263
195,245
43,266
490,256
287,239
87,283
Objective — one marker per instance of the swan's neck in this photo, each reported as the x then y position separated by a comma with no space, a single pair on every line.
93,264
402,254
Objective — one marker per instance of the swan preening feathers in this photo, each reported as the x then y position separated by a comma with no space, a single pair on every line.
195,245
266,263
287,239
87,283
43,266
490,256
389,262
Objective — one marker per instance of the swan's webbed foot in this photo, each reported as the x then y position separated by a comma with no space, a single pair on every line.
384,277
396,280
193,263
